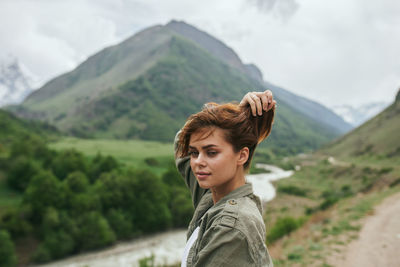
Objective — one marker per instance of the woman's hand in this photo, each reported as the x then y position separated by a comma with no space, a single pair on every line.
259,101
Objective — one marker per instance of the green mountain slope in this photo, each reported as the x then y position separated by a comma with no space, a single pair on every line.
99,74
13,128
378,136
149,84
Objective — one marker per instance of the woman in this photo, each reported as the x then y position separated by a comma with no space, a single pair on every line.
213,152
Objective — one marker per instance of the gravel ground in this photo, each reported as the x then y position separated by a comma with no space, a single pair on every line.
379,239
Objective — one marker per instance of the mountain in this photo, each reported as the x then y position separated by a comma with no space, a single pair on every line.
379,136
311,109
300,104
146,86
14,83
360,114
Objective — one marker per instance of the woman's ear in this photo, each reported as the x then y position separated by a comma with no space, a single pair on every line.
243,156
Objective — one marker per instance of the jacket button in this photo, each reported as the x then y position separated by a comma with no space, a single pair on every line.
232,202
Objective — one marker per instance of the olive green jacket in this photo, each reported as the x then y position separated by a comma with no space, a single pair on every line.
231,232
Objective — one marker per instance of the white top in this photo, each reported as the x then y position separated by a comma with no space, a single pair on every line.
189,245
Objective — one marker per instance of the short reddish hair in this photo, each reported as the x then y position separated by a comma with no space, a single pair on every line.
242,129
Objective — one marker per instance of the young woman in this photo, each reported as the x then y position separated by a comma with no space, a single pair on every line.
213,152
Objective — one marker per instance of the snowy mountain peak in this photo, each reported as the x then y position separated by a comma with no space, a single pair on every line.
360,114
15,85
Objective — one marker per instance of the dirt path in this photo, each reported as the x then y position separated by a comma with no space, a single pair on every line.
379,240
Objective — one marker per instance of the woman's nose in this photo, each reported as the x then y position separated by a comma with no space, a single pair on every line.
200,160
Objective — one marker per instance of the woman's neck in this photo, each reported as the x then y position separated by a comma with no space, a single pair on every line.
224,189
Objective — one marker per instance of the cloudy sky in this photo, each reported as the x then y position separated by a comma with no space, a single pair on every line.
334,52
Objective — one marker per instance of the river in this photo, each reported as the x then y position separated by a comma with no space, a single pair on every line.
166,247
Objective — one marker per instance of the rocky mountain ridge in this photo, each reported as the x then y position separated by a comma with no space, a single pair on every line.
14,83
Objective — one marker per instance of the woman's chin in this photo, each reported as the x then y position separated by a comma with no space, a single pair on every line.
204,185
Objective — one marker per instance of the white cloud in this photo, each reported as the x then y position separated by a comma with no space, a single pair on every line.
338,51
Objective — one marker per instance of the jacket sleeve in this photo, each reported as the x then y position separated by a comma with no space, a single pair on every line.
183,166
225,246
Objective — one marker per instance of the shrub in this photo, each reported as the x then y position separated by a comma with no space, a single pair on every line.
395,182
385,170
282,227
292,190
151,162
147,261
328,202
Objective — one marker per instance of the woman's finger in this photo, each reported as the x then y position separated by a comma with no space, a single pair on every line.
245,100
269,95
252,104
264,100
257,101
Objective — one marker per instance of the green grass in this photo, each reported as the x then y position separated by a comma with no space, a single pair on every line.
132,153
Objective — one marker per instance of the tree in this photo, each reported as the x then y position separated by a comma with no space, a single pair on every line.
179,202
181,207
101,165
151,210
121,222
77,182
21,172
67,162
140,194
43,191
7,250
172,178
94,231
59,243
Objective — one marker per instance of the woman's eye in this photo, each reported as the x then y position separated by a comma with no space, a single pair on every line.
212,153
193,153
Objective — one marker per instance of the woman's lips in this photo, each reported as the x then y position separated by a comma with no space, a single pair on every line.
202,175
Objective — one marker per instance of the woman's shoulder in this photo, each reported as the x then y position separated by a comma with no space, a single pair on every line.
250,217
242,213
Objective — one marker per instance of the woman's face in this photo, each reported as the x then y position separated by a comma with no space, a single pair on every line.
212,158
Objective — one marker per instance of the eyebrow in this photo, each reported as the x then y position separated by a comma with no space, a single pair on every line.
204,147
